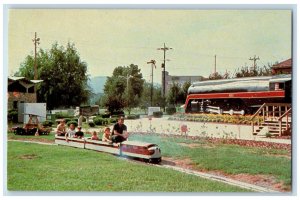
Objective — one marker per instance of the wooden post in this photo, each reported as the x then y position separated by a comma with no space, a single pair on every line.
280,127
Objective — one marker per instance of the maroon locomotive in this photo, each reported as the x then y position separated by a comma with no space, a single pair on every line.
239,95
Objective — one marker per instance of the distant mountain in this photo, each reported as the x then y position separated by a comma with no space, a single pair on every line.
97,84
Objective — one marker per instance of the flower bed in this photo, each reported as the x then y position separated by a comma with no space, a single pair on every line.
231,119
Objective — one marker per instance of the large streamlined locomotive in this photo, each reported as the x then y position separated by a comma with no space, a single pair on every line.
239,95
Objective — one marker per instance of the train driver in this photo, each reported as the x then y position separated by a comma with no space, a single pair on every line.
119,132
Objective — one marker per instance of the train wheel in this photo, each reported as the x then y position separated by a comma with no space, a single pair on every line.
155,160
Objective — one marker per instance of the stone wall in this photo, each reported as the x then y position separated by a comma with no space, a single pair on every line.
20,98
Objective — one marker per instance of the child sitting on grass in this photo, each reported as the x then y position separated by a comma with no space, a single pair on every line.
94,136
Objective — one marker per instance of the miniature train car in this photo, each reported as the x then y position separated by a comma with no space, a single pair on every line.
147,151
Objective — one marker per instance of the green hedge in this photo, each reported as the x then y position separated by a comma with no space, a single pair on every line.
91,124
170,110
47,123
12,116
72,122
61,115
158,114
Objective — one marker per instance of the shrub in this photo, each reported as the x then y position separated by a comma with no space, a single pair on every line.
170,110
91,124
268,135
100,121
158,114
72,122
118,113
12,116
47,123
61,115
113,120
105,115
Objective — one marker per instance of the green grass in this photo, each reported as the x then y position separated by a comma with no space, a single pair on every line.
60,168
12,136
231,159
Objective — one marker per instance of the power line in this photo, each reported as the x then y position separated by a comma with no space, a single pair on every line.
254,61
164,66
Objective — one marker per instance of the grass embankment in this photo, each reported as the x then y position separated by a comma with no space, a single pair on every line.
34,167
229,159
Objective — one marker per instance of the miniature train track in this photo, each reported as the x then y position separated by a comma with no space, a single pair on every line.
210,177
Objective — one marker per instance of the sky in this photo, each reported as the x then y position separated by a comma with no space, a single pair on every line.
107,38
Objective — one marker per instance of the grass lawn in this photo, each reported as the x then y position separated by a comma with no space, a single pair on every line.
231,159
203,155
34,167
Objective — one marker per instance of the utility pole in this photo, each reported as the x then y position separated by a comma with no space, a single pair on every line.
36,41
164,67
215,73
254,61
152,62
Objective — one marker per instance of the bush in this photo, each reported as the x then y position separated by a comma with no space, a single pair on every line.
91,124
61,115
158,114
118,113
105,115
47,123
99,121
113,120
12,116
72,122
170,110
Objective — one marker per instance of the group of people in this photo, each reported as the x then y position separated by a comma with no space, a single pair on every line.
117,135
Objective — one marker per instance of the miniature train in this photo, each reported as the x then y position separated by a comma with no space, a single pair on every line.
147,151
239,95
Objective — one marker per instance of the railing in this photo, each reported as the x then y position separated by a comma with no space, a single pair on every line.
275,113
286,114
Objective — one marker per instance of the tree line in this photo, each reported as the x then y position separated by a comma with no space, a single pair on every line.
65,78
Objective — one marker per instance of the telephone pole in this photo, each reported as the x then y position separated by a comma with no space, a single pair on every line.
215,66
152,62
254,61
164,67
36,41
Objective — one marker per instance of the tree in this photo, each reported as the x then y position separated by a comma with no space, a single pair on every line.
174,94
63,73
118,94
258,71
158,100
185,88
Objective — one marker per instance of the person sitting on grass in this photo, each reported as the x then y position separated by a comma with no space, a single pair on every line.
106,135
94,136
79,134
61,128
119,132
71,132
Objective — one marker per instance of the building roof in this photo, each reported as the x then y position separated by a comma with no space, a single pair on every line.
284,64
15,78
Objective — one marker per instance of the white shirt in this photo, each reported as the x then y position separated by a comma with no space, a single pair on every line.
71,133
